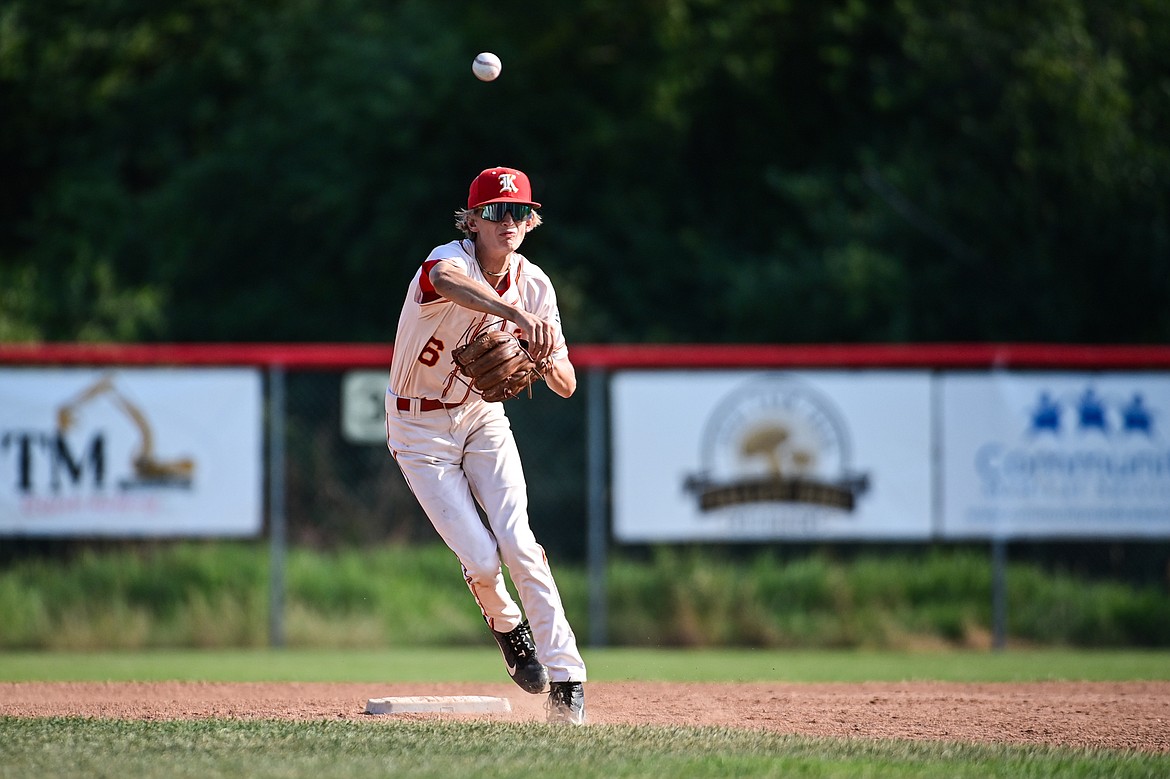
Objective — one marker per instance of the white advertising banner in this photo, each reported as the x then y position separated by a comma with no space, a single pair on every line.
1056,455
131,452
749,455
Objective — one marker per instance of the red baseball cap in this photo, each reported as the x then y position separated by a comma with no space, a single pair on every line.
500,185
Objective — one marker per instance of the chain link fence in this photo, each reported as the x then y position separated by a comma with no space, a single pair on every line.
339,491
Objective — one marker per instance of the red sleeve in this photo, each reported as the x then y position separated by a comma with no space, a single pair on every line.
426,288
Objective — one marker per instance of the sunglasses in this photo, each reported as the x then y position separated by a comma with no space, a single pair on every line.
494,212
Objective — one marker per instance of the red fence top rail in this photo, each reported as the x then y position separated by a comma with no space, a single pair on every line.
290,355
874,356
325,356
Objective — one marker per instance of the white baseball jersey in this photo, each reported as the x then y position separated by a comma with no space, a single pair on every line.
431,326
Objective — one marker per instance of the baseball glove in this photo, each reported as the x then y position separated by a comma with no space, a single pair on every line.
497,364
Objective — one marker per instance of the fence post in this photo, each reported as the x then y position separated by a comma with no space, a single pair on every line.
999,593
596,491
276,518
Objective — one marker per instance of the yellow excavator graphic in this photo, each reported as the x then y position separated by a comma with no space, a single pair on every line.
148,471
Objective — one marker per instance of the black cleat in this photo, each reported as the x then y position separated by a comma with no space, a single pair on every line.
566,703
520,656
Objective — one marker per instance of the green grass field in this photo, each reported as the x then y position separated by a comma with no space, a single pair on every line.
232,748
482,665
99,748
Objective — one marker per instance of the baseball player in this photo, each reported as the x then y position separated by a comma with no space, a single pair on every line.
457,450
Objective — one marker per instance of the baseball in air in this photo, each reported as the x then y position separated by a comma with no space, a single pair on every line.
486,66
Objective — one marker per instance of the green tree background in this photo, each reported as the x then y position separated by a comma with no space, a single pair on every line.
758,171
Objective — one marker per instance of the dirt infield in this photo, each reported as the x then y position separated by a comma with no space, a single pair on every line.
1106,715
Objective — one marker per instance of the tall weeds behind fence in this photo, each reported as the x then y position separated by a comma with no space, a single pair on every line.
215,594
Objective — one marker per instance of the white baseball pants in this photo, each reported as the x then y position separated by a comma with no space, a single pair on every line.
453,458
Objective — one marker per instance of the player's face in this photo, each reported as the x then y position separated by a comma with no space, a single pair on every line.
501,237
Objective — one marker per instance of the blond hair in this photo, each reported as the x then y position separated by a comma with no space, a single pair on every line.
461,215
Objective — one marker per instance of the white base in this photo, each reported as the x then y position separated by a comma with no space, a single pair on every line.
446,704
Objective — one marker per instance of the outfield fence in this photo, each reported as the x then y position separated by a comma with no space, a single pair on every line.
330,481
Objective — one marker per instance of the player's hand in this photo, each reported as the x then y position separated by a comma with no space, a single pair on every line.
538,333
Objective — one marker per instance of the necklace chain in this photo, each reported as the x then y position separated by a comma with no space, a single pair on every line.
487,272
